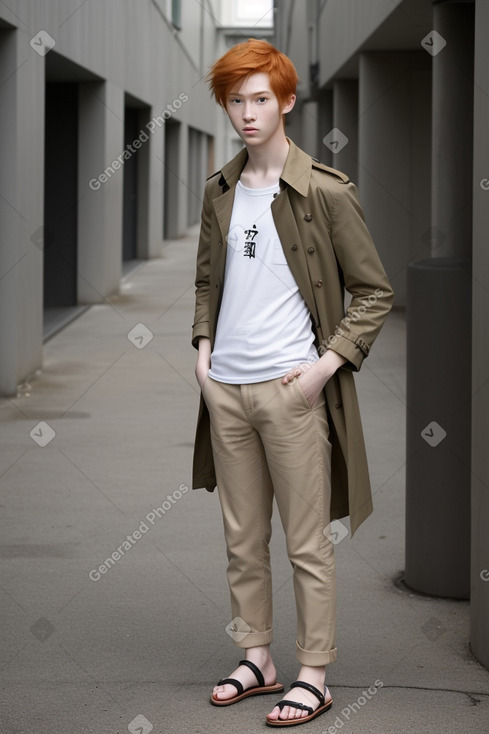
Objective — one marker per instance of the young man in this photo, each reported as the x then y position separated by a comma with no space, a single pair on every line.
281,238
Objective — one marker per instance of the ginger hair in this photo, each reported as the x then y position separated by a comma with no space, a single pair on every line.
251,57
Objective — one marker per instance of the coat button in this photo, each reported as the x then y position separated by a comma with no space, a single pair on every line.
310,250
294,247
319,283
220,244
308,217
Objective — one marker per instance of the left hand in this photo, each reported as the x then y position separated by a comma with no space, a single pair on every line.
311,378
314,376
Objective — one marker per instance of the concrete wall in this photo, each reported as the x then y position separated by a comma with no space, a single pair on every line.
347,27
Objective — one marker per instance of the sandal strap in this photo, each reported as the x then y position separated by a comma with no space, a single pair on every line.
312,689
236,683
233,682
258,674
296,705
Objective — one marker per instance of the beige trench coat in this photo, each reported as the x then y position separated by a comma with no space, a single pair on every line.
328,249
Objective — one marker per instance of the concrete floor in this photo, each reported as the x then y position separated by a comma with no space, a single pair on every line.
95,456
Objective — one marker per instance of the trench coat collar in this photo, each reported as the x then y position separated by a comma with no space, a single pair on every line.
296,172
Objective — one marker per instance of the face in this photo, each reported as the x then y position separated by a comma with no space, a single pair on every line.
254,110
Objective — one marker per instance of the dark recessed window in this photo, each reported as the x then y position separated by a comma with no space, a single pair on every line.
176,14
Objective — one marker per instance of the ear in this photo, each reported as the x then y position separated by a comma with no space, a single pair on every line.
288,106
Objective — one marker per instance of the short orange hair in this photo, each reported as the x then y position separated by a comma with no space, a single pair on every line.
251,57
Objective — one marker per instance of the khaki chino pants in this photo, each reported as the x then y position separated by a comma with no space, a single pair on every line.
268,441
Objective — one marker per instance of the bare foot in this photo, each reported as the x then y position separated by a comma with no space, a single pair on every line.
313,675
261,657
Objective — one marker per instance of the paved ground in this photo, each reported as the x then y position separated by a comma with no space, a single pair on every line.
95,463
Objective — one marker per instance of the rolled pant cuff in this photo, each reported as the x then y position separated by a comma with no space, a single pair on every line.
313,658
252,639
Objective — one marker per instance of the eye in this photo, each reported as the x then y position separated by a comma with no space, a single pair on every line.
235,100
262,100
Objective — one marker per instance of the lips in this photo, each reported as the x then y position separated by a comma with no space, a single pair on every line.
250,129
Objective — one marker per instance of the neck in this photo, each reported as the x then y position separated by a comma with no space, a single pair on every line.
266,162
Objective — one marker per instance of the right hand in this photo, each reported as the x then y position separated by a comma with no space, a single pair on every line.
203,361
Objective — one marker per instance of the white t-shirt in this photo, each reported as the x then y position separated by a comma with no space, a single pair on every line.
264,326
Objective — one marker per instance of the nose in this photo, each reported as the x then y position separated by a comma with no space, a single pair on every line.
248,112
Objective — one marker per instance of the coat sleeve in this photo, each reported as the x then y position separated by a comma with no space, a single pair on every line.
364,278
202,278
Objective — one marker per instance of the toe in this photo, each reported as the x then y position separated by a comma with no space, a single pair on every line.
274,713
224,692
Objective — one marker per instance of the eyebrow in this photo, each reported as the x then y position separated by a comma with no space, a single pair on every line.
253,94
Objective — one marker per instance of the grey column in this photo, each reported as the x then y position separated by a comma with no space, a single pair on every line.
309,126
325,124
453,91
479,607
394,155
439,340
101,142
345,118
21,208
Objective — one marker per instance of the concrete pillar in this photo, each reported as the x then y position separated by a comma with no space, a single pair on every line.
156,189
345,118
394,153
310,120
182,174
431,565
325,124
21,208
101,141
479,607
453,91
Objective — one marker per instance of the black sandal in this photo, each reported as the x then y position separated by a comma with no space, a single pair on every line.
261,688
323,706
